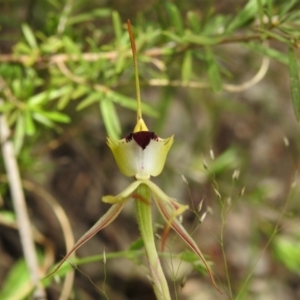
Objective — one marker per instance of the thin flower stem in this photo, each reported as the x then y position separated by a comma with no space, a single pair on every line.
20,208
136,72
144,218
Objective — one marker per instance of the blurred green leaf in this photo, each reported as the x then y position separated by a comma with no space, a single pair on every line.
56,116
29,36
193,259
136,245
63,101
51,45
284,9
229,159
17,283
71,47
287,250
117,27
80,18
45,96
29,124
275,36
249,12
294,82
95,13
79,91
89,100
120,62
173,37
175,18
22,48
16,86
12,117
6,106
7,216
200,39
213,71
131,103
187,64
194,22
42,119
19,134
270,52
110,118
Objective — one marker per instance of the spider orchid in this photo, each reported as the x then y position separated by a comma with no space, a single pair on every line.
142,154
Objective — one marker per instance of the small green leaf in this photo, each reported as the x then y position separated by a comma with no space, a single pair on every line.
56,116
29,36
101,12
284,9
63,101
294,82
186,71
79,91
12,117
213,71
17,282
137,244
8,216
193,259
80,18
43,97
110,118
175,17
19,134
6,106
200,39
22,48
117,24
120,63
89,100
17,87
29,124
194,21
131,103
287,251
42,119
245,15
70,46
173,37
272,53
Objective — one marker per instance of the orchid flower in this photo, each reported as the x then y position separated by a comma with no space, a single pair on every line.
140,155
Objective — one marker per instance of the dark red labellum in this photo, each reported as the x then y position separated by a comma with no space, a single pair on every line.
142,138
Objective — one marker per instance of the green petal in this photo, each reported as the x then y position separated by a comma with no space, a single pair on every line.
105,220
168,212
123,195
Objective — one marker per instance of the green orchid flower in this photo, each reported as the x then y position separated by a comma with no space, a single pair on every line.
140,155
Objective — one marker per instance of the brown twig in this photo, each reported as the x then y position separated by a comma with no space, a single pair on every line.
233,88
112,55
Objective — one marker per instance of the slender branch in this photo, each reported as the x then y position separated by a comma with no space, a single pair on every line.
20,208
113,55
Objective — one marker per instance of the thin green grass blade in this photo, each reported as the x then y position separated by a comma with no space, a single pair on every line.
294,82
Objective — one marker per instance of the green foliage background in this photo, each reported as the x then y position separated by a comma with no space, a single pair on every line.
223,76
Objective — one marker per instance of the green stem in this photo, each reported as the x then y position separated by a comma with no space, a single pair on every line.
144,218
